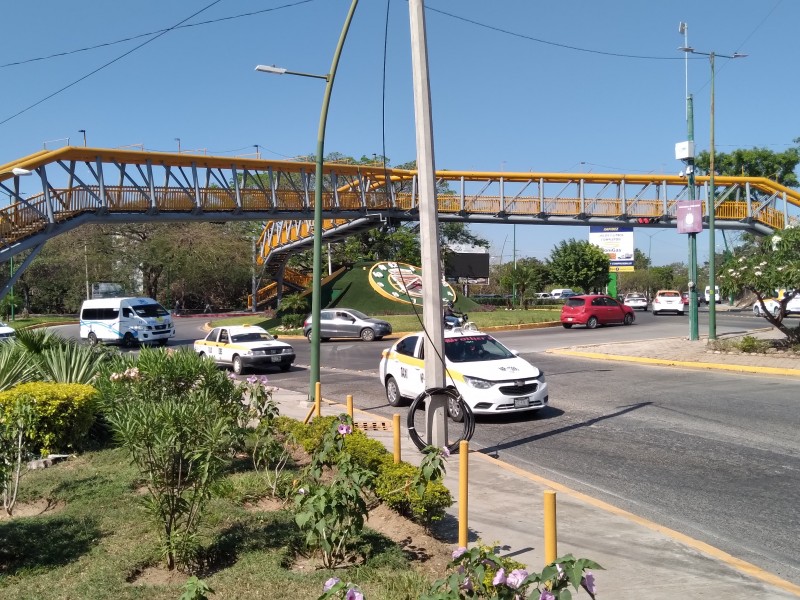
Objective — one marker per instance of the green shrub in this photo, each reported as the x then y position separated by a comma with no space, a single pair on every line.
310,436
65,412
367,452
292,321
751,344
394,487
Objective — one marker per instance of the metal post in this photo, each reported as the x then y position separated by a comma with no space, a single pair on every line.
712,209
316,287
550,530
396,438
463,493
11,276
436,412
694,333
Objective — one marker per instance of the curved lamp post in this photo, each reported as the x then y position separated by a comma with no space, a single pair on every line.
316,288
712,208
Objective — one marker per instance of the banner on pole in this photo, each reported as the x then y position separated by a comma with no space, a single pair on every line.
690,216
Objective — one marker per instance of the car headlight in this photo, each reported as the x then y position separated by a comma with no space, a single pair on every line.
477,383
256,352
540,378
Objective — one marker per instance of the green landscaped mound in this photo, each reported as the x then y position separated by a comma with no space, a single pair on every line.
352,290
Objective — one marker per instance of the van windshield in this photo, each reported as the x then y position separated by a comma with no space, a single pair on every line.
150,310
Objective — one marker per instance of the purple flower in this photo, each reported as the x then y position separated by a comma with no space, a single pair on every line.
264,380
330,583
252,379
345,429
458,552
588,583
353,594
560,571
500,577
546,595
445,451
302,492
516,577
231,376
467,585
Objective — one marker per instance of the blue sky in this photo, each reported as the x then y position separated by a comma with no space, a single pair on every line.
570,86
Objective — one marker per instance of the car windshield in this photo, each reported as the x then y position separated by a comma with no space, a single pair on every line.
475,348
252,336
150,310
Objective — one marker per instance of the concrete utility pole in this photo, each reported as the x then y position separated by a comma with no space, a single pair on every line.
436,412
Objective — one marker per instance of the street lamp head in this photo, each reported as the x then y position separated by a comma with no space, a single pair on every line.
271,69
687,49
681,27
17,172
738,55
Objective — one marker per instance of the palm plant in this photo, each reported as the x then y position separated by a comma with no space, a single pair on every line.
16,366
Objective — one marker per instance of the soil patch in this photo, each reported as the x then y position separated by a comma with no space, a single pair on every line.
266,504
33,509
157,576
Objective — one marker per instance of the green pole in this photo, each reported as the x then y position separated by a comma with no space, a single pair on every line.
316,289
712,298
11,275
694,333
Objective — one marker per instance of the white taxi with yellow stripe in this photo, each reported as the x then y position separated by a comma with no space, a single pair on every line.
490,378
244,346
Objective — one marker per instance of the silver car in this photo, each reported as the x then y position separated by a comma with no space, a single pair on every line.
347,323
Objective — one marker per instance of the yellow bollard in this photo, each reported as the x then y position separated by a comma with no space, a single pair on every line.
308,416
396,430
463,488
350,405
550,536
318,398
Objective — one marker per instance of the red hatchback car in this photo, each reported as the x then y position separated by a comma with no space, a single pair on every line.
595,310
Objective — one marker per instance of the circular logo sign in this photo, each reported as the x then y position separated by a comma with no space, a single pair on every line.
402,282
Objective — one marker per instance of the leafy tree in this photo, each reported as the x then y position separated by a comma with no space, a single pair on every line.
755,162
772,265
579,265
530,275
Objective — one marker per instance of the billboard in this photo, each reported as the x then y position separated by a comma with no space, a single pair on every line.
616,243
690,216
467,265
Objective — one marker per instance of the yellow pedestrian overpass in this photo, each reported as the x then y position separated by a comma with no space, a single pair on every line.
54,191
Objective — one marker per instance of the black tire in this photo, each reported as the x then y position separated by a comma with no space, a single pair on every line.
128,340
393,396
454,410
309,335
92,339
591,323
201,354
368,335
163,342
628,320
237,365
286,367
567,325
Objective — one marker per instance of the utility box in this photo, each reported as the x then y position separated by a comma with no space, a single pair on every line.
684,150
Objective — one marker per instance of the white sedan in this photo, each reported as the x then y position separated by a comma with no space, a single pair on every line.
773,307
635,301
244,346
489,377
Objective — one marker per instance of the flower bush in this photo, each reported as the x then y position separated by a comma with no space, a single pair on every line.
480,573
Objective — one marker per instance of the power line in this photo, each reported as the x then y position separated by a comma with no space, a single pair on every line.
141,35
111,62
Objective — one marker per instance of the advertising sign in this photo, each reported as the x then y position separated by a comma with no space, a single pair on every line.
617,243
690,216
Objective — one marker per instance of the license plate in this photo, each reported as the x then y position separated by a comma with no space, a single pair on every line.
520,402
276,359
569,318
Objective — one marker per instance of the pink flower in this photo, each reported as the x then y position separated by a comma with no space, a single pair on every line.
330,583
588,583
467,585
345,429
252,379
445,452
458,552
516,577
353,594
231,376
546,595
264,380
500,577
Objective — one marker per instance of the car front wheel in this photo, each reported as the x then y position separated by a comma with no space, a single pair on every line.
628,320
367,334
393,395
238,366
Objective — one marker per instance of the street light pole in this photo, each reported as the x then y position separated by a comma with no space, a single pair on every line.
316,286
712,208
83,131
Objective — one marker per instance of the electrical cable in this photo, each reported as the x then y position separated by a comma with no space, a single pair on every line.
453,395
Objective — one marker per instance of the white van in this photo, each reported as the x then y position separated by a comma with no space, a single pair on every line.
717,297
125,321
562,293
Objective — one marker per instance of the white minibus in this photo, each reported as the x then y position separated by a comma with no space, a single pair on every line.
125,321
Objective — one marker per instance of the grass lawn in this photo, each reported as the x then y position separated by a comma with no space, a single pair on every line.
402,323
97,537
19,323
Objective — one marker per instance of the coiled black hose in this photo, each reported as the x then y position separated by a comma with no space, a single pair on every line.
452,393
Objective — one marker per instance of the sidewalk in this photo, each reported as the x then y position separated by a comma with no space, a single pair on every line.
641,558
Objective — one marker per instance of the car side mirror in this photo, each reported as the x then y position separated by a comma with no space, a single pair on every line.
514,352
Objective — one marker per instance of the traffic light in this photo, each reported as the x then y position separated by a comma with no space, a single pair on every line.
648,220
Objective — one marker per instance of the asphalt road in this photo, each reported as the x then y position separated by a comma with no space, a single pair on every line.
713,455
